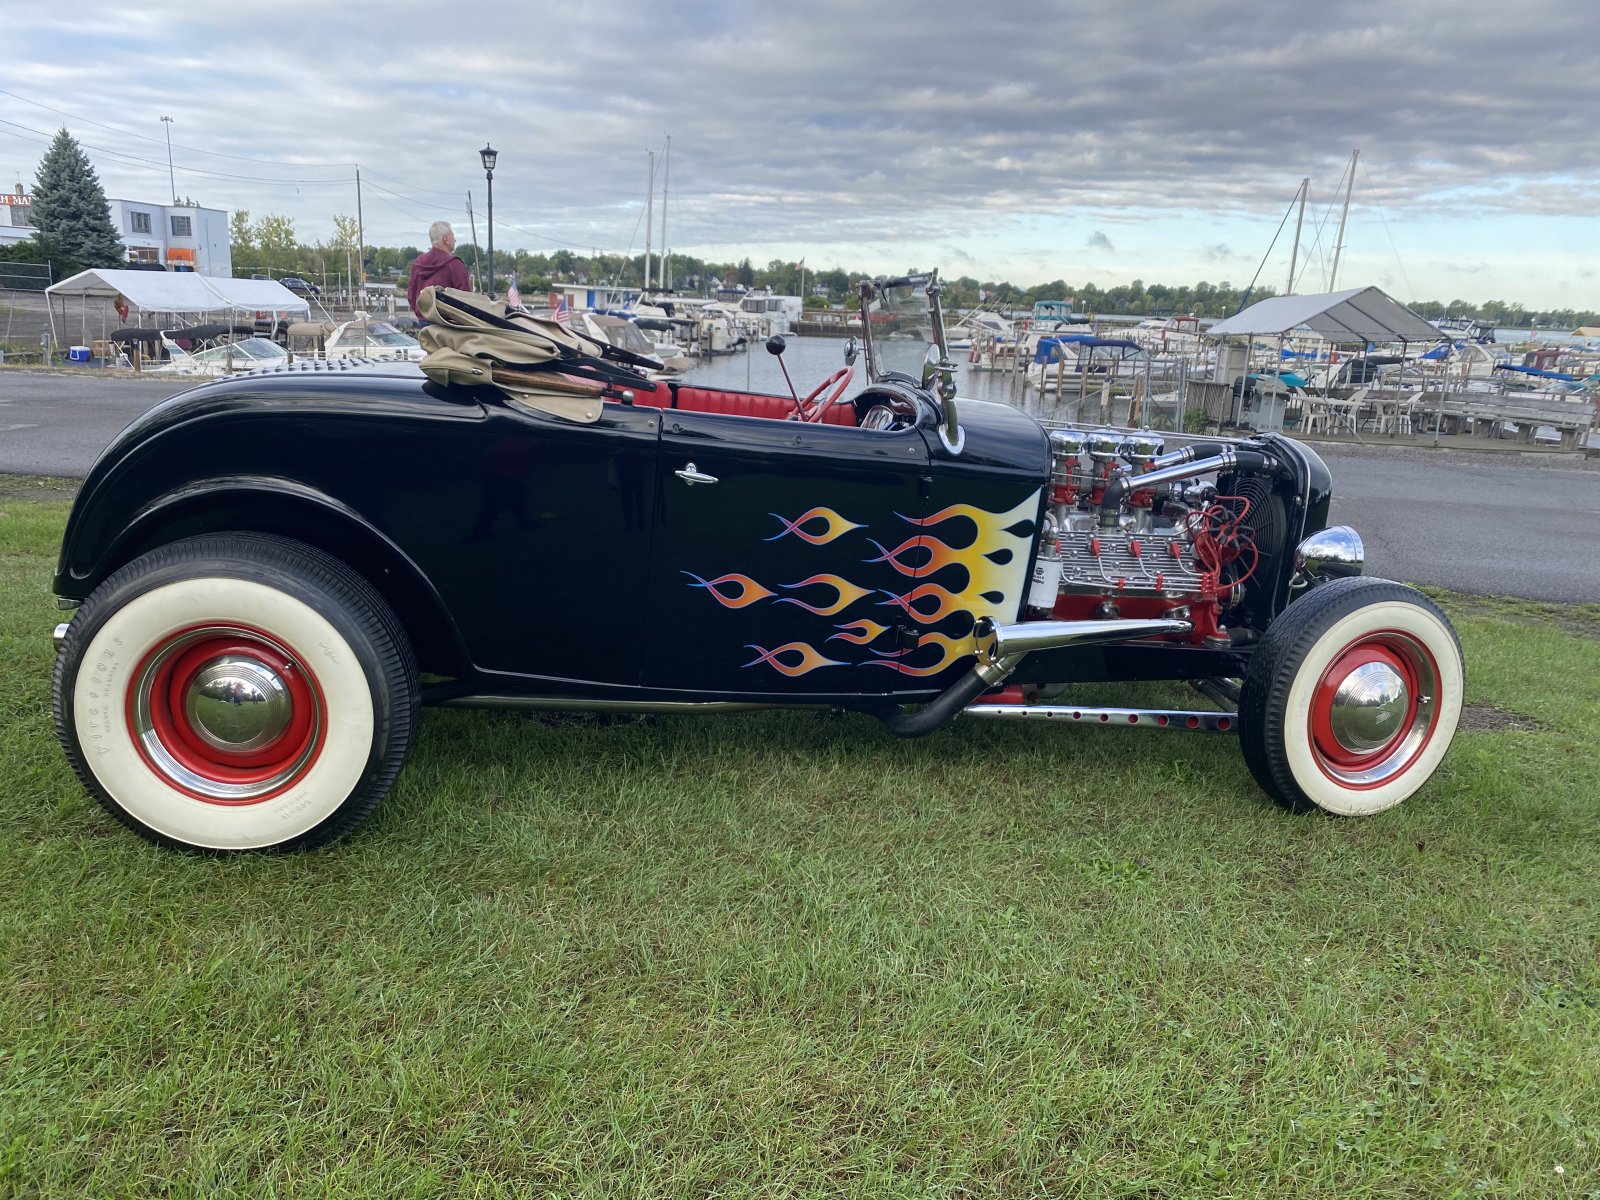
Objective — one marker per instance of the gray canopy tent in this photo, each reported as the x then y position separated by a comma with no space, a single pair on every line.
180,295
1357,316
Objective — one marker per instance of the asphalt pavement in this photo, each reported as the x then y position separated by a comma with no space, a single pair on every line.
57,422
1504,523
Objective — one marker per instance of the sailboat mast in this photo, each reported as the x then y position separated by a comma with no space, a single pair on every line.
649,214
1338,243
1294,255
666,175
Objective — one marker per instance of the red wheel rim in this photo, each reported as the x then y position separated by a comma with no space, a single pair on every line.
1374,709
226,714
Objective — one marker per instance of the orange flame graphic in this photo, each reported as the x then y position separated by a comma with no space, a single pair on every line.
938,555
808,659
749,590
849,593
865,632
833,526
950,649
945,603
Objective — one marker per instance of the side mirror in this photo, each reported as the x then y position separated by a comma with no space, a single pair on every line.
776,344
851,349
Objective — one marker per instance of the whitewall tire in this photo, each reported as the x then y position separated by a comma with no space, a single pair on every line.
236,692
1352,698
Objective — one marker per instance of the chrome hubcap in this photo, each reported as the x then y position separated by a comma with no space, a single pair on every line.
1374,709
1368,707
226,713
238,704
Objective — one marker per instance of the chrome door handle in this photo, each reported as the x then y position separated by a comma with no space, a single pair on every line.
691,476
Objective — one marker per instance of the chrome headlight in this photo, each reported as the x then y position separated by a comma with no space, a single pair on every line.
1332,553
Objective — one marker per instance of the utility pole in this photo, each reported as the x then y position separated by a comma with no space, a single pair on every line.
1338,244
1294,255
649,215
666,174
477,263
171,178
361,243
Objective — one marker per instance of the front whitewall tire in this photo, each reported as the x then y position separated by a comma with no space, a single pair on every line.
1321,672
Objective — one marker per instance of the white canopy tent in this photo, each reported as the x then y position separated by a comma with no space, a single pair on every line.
1358,315
179,294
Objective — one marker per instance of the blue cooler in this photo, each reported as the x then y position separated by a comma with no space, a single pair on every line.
78,354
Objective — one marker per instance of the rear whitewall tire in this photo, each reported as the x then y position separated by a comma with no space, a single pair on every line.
1286,722
290,615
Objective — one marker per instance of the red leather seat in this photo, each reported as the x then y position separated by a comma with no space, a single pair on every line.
653,395
749,404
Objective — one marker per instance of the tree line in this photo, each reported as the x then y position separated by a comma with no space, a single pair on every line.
74,232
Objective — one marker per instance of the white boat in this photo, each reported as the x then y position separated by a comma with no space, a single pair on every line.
362,338
1168,335
765,313
231,358
625,334
981,327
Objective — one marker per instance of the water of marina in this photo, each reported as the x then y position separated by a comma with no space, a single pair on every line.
812,359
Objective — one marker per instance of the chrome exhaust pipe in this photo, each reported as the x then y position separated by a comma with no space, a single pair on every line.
1003,643
1002,647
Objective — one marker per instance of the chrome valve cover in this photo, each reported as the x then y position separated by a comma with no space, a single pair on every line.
1128,563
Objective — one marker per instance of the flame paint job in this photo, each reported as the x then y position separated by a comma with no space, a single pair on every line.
979,558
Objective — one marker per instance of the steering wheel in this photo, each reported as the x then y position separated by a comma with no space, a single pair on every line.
811,409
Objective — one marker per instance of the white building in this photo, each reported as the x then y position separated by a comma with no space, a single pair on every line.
180,237
183,237
14,223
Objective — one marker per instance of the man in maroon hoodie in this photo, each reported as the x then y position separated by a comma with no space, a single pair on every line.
437,265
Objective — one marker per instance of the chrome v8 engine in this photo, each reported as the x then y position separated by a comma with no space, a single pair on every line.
1131,532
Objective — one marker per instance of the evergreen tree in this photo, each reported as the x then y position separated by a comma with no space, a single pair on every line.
70,205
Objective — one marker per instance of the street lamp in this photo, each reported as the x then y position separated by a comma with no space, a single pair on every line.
489,154
171,178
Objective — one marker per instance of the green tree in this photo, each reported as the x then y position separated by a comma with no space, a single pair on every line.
245,253
275,239
70,205
344,232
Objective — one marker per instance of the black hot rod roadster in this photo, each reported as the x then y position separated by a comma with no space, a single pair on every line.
272,573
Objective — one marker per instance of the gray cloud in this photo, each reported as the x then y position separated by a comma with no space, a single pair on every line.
1099,241
838,123
1220,252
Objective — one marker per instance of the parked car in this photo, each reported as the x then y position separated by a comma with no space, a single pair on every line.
272,576
295,284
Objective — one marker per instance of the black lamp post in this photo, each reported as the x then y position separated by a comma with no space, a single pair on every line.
489,154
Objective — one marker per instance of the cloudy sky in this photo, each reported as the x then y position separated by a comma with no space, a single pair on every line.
1023,141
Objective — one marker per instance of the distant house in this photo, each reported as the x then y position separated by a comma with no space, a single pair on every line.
180,237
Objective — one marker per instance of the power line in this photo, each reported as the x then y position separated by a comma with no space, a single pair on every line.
125,158
61,112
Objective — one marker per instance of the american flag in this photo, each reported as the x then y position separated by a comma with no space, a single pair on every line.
563,313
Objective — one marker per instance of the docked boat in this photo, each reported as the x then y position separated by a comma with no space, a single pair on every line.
228,358
1073,355
362,337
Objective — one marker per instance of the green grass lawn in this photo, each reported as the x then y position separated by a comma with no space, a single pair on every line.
781,955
